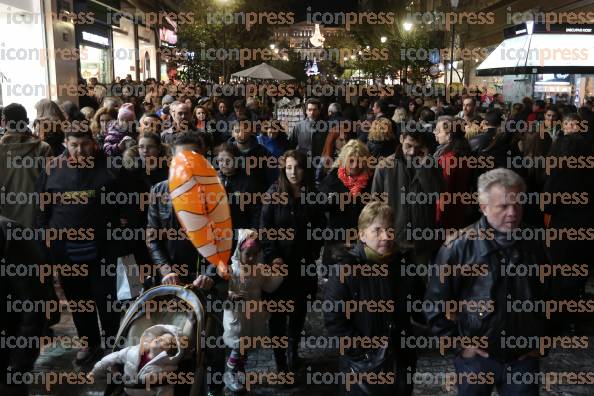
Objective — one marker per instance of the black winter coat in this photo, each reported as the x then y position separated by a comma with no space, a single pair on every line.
481,141
168,245
84,197
386,288
255,165
20,252
245,213
343,222
295,223
381,149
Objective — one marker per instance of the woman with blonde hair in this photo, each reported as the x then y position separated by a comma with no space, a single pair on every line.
382,140
48,125
100,92
474,127
346,186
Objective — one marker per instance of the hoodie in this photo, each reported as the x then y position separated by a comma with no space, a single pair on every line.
22,158
130,357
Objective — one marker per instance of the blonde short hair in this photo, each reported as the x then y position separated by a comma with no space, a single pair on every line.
354,148
399,114
372,211
381,130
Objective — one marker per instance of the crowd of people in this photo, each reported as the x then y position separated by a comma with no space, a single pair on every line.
384,183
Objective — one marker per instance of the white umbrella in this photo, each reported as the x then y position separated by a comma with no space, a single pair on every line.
264,72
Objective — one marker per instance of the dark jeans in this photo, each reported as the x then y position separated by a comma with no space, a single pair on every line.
507,378
300,290
89,295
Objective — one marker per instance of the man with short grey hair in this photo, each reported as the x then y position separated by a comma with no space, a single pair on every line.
181,115
474,294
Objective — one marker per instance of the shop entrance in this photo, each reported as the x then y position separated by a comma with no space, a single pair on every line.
95,64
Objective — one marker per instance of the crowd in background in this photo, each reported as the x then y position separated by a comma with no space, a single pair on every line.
337,150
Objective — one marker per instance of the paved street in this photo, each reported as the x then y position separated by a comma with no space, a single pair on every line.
59,359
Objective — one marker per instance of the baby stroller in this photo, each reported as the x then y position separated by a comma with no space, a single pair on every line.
192,320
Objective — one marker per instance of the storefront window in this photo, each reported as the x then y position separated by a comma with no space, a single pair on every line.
95,63
123,50
24,74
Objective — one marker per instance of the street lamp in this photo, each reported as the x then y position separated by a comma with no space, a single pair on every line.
454,4
407,25
383,39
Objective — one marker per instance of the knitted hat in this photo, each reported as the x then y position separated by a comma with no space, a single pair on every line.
126,112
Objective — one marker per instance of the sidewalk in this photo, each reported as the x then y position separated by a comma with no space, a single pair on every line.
59,359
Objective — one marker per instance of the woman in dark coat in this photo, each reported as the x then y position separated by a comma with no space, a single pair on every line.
382,284
534,146
290,224
574,215
382,140
347,188
453,148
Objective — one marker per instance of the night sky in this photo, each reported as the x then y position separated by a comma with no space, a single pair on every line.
300,6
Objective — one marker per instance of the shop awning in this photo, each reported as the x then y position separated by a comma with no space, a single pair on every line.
264,72
566,49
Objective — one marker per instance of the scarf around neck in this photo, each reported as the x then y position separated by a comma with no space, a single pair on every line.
376,257
353,183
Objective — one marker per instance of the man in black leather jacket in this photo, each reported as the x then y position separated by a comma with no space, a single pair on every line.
481,142
176,258
178,261
476,290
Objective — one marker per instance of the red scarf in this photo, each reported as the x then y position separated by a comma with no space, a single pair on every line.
354,183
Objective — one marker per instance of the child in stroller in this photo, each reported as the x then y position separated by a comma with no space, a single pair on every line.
160,349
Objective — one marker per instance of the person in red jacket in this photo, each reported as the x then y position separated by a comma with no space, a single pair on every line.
451,154
538,111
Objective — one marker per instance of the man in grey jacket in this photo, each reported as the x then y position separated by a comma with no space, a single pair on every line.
411,179
301,137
